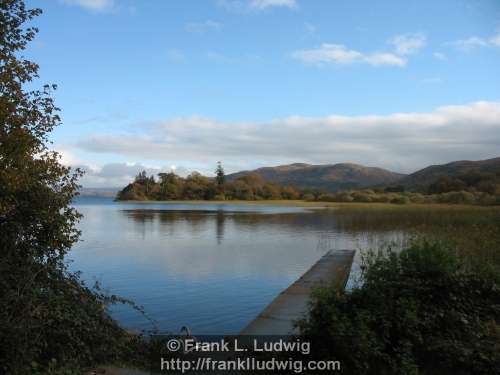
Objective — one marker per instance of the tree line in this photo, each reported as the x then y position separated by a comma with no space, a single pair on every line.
473,182
480,188
403,197
469,188
169,186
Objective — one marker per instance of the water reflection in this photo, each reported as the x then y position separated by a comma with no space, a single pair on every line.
220,221
210,268
326,225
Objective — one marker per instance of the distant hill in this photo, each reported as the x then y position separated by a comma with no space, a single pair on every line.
423,178
99,192
329,177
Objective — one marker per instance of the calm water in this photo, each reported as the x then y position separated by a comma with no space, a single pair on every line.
210,267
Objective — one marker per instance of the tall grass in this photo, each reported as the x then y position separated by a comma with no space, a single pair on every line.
473,232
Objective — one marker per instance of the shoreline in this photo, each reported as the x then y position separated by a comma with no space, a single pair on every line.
316,205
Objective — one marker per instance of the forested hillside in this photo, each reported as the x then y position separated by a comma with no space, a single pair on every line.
458,175
328,177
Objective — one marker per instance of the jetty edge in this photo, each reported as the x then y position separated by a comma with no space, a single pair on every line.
278,317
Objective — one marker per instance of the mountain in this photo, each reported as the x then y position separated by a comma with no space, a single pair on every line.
329,177
99,192
423,178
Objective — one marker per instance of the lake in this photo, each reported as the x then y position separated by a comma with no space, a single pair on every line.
209,267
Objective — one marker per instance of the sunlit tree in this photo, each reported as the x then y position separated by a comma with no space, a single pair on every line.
220,176
47,315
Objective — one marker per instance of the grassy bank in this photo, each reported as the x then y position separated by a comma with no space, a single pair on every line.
472,232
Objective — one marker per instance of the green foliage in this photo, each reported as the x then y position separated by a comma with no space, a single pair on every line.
402,199
421,311
473,231
479,188
49,318
473,188
220,176
198,187
451,197
473,181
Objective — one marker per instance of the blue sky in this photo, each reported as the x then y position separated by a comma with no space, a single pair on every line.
156,84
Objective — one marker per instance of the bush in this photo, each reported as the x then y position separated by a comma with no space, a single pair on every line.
457,197
327,197
344,196
422,311
417,198
360,196
132,192
400,199
486,199
382,198
289,192
310,197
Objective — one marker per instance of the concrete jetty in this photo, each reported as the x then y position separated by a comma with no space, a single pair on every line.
291,304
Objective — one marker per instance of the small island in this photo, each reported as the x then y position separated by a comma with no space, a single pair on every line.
170,187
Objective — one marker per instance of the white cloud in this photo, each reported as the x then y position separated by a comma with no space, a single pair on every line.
256,5
94,5
400,141
121,174
340,54
263,4
203,27
470,43
474,42
495,40
113,174
406,44
67,157
377,59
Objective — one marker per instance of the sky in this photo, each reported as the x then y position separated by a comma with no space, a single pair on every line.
182,84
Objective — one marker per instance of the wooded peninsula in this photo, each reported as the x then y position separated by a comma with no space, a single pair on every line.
478,188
